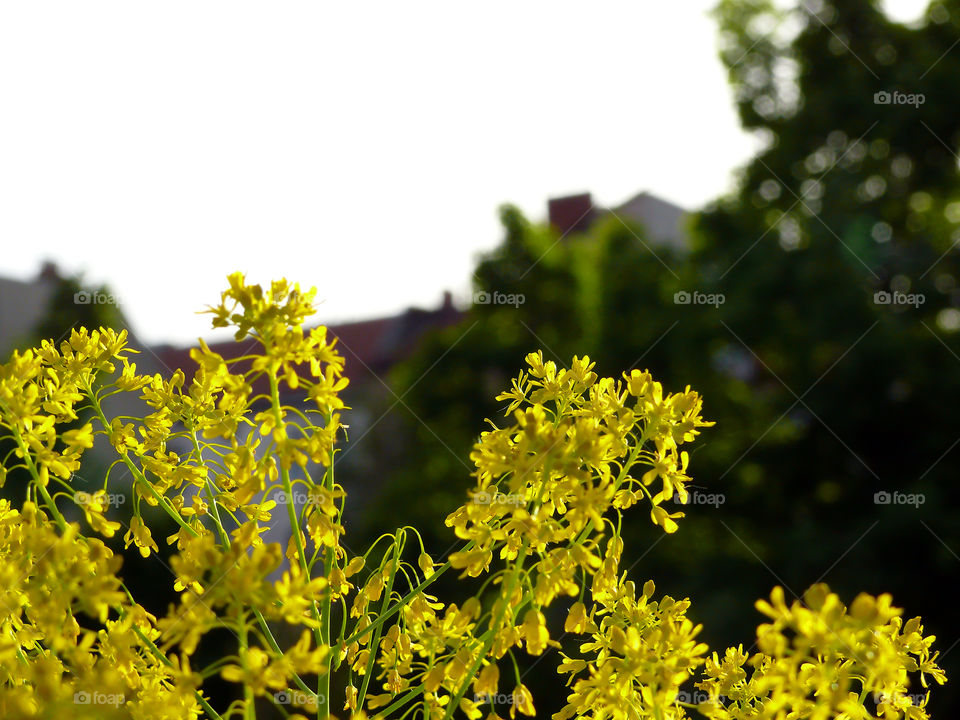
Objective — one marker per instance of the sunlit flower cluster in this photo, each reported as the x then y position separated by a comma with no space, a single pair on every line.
223,456
53,663
640,651
819,659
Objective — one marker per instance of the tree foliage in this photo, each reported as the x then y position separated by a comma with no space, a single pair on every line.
833,363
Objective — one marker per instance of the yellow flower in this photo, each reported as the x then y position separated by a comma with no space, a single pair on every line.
535,632
577,620
522,702
139,533
79,439
664,519
552,485
250,672
487,682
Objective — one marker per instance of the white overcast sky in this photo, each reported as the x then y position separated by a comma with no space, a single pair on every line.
359,147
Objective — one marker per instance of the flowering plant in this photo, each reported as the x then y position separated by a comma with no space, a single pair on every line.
542,525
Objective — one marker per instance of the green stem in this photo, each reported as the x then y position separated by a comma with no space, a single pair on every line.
323,680
208,489
48,501
32,469
160,499
155,651
491,634
375,641
249,709
272,642
401,702
323,704
402,602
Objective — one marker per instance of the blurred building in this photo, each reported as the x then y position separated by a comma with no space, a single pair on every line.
371,348
50,305
664,222
23,305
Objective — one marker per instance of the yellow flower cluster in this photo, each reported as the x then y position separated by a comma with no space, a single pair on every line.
579,450
549,478
220,454
51,665
642,652
211,454
819,659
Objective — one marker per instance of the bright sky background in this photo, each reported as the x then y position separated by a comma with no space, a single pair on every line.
359,147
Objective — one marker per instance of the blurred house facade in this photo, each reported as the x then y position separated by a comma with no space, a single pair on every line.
664,222
23,305
372,345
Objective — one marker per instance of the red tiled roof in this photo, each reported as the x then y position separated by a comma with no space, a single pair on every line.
571,213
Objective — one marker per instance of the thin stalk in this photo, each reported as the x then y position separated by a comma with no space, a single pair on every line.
375,641
208,489
323,680
402,602
161,500
272,642
323,704
491,634
155,651
249,709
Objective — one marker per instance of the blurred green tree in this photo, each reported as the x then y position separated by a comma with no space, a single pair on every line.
72,305
832,367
